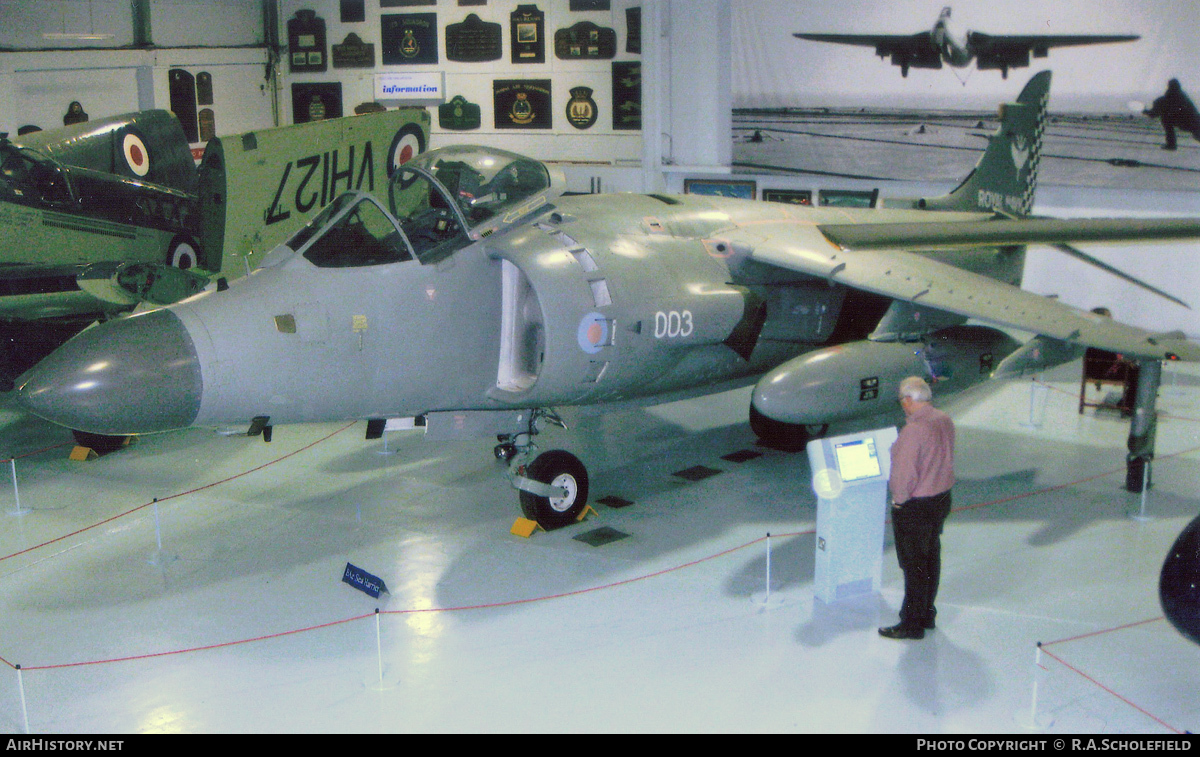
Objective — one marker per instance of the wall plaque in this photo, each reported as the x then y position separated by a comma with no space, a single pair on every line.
522,103
181,88
585,40
204,90
306,42
208,124
354,53
459,115
581,108
627,95
353,11
528,34
409,38
473,40
633,30
316,101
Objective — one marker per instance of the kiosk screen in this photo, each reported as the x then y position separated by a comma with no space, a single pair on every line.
857,460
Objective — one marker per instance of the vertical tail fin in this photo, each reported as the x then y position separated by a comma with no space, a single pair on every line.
1005,177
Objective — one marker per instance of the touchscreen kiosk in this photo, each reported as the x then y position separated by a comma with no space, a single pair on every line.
850,475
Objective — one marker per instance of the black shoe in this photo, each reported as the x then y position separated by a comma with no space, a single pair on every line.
930,625
902,631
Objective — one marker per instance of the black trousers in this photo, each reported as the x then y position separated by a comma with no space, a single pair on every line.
917,525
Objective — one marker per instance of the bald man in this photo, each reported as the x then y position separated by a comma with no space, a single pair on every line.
919,486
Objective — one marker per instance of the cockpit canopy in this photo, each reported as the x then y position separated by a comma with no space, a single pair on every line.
482,182
28,176
440,202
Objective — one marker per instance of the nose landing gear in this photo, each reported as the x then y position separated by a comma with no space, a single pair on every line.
553,486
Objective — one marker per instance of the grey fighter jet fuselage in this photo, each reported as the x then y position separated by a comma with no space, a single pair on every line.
478,298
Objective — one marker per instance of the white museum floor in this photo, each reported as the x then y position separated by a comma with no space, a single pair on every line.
240,623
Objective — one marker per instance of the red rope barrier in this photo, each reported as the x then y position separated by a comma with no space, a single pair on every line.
562,595
1086,677
491,605
151,655
35,452
177,495
1106,630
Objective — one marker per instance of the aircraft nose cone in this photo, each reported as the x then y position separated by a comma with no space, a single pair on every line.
129,376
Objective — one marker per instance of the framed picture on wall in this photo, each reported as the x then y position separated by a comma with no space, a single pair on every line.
743,189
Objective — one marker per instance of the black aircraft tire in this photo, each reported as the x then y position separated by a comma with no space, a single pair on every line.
557,468
789,437
101,444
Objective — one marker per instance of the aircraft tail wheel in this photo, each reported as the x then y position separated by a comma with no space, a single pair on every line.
184,252
557,468
789,437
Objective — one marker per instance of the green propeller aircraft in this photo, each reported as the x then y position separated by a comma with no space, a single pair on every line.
99,216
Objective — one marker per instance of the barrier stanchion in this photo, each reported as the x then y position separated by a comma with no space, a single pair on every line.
1038,393
1032,720
24,709
12,462
379,647
378,685
765,599
157,537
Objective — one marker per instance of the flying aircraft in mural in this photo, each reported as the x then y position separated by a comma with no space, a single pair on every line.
477,298
947,43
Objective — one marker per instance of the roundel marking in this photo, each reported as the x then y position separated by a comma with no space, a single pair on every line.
408,143
183,253
137,157
593,333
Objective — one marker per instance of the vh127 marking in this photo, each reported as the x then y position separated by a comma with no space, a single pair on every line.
309,189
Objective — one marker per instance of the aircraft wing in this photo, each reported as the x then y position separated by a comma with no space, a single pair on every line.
1042,42
868,257
907,45
986,232
1013,50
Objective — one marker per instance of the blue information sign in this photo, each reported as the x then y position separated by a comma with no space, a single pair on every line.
364,581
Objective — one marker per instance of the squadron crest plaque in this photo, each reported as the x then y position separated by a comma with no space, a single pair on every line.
581,108
522,103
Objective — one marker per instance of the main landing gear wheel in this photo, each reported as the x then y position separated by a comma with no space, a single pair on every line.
562,469
788,437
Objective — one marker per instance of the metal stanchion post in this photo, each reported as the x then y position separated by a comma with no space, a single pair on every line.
379,684
379,647
1031,719
768,597
24,709
16,491
765,599
1037,403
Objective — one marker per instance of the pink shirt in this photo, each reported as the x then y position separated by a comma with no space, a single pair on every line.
923,456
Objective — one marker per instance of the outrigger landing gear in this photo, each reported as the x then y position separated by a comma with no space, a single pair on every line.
1142,430
554,486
